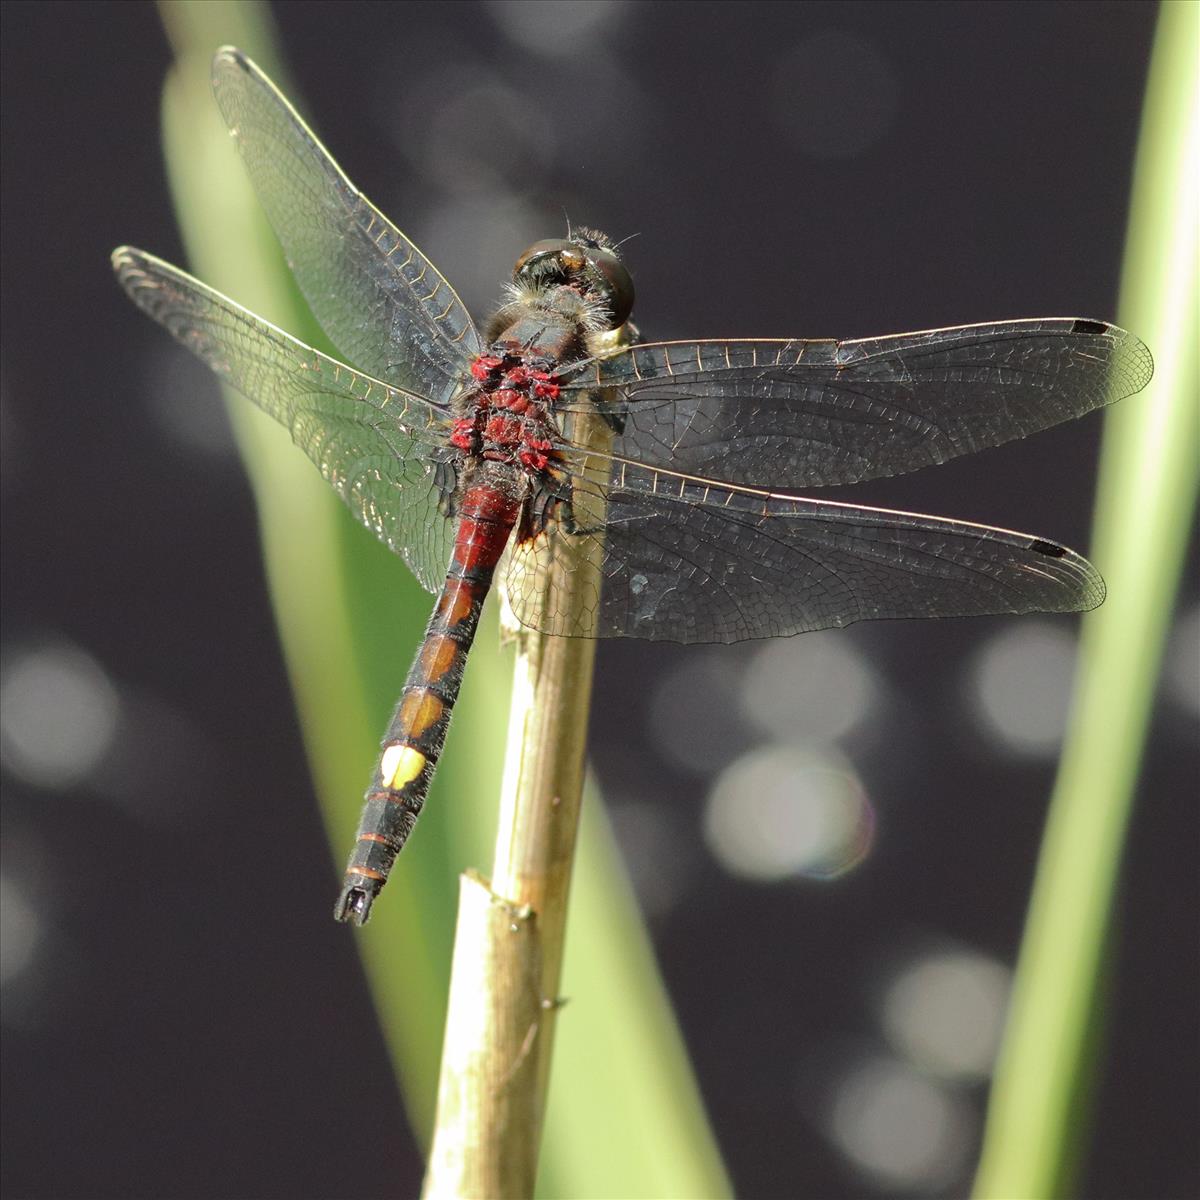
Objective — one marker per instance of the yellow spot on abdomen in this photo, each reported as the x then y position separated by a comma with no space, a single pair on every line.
400,765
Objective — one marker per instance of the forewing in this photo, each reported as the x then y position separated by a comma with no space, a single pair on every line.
801,414
377,445
683,560
380,300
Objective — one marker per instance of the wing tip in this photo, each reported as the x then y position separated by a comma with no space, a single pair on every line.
1140,364
128,263
1086,590
1131,363
231,56
228,63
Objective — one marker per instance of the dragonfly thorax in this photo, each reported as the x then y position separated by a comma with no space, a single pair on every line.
509,413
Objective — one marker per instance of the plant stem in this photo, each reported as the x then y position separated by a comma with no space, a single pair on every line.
509,942
1147,494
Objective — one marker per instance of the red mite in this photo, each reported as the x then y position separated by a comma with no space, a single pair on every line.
459,450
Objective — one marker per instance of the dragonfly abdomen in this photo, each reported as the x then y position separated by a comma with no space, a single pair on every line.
413,743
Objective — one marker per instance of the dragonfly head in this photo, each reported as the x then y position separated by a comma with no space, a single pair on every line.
587,262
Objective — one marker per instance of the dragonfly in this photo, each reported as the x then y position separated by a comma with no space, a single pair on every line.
554,439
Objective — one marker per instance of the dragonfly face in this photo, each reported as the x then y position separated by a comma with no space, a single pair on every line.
463,451
587,263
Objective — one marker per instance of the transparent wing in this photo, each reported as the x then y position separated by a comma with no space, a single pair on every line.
380,300
800,414
684,560
377,445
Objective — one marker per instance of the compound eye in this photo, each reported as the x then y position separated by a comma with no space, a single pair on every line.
611,280
549,258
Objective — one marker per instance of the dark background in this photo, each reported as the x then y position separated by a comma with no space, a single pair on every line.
971,162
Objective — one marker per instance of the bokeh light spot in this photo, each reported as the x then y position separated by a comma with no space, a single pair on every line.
809,690
779,812
900,1128
554,28
1182,667
945,1013
471,132
1021,687
58,714
20,931
692,716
